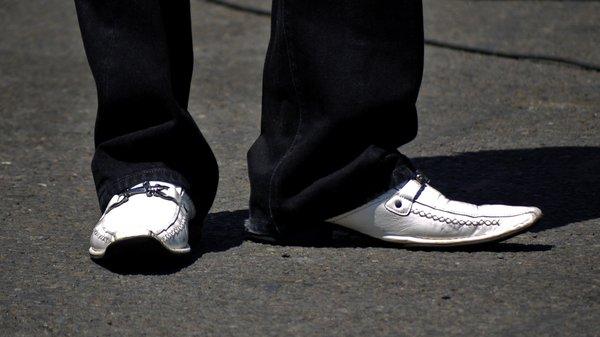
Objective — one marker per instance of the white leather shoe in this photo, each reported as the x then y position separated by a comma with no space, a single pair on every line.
154,210
418,215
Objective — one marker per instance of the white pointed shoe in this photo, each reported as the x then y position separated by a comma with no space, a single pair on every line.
416,214
153,210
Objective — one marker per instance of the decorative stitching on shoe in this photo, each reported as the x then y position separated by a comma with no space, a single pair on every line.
101,236
454,221
174,230
177,225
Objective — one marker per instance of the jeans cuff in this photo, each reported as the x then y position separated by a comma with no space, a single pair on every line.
112,187
403,172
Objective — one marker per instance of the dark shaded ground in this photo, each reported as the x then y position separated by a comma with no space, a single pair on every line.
492,129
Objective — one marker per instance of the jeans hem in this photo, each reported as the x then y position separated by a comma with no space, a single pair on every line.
115,186
262,223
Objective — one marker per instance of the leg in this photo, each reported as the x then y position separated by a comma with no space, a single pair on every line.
140,54
340,83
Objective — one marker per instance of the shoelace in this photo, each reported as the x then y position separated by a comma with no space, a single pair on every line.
150,191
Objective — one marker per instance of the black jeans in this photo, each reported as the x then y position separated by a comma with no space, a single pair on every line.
341,79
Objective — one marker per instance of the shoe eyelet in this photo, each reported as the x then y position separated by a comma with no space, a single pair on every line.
398,203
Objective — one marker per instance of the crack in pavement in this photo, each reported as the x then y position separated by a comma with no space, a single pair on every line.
563,61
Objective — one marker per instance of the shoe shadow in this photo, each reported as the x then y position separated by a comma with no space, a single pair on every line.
563,181
220,231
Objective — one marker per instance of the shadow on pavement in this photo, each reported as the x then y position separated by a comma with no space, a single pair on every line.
563,181
144,257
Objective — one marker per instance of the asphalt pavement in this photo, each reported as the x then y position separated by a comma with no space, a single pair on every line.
509,112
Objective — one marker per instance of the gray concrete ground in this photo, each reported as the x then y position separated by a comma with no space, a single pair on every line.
494,129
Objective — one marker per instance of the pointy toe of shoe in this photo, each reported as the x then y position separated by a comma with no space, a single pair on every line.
416,214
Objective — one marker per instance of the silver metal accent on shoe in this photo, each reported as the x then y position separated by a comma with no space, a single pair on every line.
421,178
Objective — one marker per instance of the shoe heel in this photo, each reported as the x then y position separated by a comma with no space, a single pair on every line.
309,235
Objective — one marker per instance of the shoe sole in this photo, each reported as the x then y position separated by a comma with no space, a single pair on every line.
403,241
136,245
424,242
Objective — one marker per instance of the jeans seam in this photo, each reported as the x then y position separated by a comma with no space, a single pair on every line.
297,93
167,78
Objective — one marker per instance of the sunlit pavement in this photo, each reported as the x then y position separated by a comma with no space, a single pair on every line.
509,112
